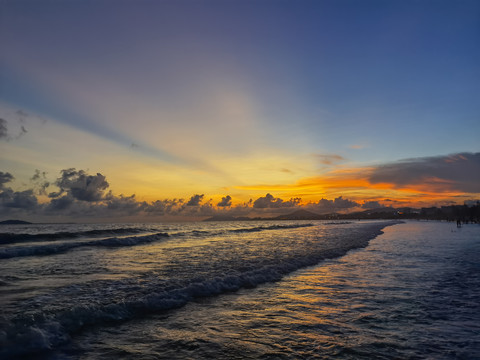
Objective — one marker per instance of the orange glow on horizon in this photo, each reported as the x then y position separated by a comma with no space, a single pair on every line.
354,184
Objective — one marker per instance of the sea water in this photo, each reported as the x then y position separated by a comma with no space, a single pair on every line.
235,290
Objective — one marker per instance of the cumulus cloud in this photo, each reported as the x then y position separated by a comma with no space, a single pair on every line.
78,193
163,207
226,201
18,199
5,177
338,204
341,203
124,205
268,201
206,209
371,205
10,199
80,185
457,172
195,200
60,204
82,194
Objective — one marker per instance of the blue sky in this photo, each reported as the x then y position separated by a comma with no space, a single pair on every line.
235,93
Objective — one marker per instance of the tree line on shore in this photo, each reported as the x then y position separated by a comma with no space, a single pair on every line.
462,213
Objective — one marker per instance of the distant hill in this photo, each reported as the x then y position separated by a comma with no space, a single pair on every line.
300,215
14,222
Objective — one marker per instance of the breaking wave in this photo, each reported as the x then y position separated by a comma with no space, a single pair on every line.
272,227
49,249
10,238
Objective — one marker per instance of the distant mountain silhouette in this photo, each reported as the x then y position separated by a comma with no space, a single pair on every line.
300,215
14,222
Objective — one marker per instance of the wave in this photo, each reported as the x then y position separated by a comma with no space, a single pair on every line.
9,238
205,233
272,227
50,249
42,331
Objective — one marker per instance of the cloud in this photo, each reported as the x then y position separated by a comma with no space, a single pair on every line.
358,146
11,200
338,204
3,129
457,172
226,201
80,185
4,134
60,204
195,200
18,199
341,203
40,182
162,207
206,209
110,206
5,177
329,159
83,195
23,131
22,114
124,205
268,201
371,205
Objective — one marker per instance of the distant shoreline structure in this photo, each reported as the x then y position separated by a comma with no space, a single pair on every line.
455,213
459,213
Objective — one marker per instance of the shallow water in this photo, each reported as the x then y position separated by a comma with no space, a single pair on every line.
413,292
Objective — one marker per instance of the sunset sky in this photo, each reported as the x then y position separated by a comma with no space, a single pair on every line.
236,105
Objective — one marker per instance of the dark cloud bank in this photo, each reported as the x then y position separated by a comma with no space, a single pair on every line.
75,193
458,172
82,195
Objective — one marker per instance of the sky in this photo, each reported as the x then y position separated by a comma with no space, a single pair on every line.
139,109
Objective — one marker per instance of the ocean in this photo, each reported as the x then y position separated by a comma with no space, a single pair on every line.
240,290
